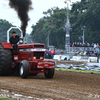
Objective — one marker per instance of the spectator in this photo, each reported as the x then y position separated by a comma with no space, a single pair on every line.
95,46
80,44
88,45
49,54
84,45
73,45
70,45
84,53
92,45
81,53
96,54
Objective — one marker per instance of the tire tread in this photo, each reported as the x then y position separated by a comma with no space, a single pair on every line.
5,61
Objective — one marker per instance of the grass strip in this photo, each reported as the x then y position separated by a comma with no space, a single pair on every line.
84,71
5,99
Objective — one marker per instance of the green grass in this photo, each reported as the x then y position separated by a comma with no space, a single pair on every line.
81,66
9,99
5,99
84,71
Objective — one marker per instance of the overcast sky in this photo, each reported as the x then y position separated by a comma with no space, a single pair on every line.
39,6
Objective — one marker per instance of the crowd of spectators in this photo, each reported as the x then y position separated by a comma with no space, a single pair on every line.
88,53
84,45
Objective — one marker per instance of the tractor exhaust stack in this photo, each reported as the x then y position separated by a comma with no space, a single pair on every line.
23,40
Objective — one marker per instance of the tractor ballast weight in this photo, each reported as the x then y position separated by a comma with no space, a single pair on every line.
29,59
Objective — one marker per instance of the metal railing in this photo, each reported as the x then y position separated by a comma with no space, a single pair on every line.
76,50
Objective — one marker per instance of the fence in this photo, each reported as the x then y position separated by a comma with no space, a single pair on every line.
76,50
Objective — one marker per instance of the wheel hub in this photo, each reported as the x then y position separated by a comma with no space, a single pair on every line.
21,70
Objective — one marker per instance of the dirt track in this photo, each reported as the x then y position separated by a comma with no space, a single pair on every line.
67,62
64,86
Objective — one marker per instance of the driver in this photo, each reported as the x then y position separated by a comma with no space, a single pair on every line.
14,40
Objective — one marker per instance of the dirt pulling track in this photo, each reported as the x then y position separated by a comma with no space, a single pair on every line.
64,86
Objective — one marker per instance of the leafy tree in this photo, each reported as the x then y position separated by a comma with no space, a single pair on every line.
86,13
4,26
53,22
83,13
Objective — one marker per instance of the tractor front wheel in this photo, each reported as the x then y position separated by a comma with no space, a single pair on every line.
49,73
24,69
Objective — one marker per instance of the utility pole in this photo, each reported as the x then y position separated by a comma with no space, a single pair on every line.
48,33
67,28
83,28
48,40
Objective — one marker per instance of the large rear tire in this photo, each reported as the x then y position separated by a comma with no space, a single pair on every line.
49,73
24,69
5,61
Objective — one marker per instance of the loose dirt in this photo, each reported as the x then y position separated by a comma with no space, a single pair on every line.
64,86
67,62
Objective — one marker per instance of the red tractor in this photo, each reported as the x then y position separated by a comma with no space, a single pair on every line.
28,61
51,49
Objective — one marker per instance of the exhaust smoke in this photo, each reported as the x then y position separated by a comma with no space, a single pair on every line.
22,8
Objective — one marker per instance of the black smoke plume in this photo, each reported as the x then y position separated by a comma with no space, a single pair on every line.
22,7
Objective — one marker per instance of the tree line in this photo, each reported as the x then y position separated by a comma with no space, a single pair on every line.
83,13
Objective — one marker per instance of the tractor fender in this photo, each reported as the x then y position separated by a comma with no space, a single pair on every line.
7,45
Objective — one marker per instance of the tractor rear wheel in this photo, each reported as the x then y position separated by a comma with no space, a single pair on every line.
49,73
5,61
24,69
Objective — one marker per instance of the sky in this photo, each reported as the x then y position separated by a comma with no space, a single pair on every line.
39,7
